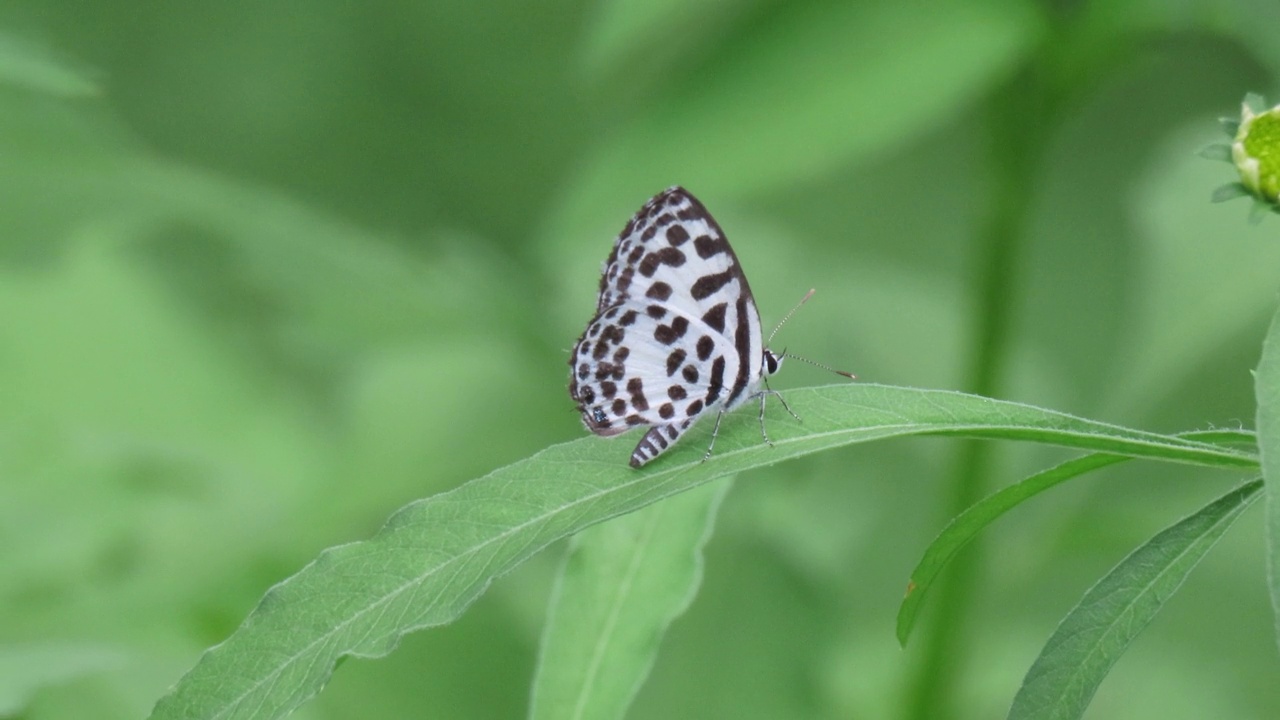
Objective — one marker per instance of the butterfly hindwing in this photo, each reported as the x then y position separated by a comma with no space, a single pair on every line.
650,365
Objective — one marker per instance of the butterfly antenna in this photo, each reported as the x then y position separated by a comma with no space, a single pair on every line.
828,368
784,353
787,317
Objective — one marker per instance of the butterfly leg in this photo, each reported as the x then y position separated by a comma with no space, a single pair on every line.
763,394
766,392
714,432
775,393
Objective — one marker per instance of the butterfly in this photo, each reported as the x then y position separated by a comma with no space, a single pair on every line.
676,334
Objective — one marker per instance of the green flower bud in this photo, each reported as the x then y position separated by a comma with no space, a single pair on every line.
1256,150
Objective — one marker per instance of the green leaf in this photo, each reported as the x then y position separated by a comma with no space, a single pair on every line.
1259,210
1216,151
813,88
623,30
622,585
435,556
1230,191
1267,388
1112,613
966,526
27,65
28,668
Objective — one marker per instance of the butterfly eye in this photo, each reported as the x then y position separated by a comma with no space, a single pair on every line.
771,362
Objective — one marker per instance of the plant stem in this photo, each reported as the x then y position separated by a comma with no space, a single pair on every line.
1016,128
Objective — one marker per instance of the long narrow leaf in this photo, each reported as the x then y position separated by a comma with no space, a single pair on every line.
1112,613
1267,388
30,65
435,556
622,585
966,526
28,668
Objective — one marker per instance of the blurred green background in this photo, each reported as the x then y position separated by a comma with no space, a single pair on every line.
269,271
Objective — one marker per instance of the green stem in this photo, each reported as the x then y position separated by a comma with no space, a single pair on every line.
1015,140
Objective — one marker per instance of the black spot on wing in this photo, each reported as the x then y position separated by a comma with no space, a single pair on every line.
635,386
707,246
715,317
717,380
705,347
676,357
606,370
611,334
624,280
668,334
690,374
659,291
666,256
742,343
709,285
609,263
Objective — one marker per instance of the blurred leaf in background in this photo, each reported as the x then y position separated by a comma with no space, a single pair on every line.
270,271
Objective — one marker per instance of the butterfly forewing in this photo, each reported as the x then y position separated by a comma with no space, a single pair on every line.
676,333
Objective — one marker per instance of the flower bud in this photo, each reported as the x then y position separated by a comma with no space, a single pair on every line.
1256,150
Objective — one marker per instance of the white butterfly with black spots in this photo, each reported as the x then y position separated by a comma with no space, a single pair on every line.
676,334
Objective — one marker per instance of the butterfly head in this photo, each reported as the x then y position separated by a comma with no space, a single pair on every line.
772,361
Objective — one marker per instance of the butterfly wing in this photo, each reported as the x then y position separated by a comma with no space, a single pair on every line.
676,331
673,251
646,365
